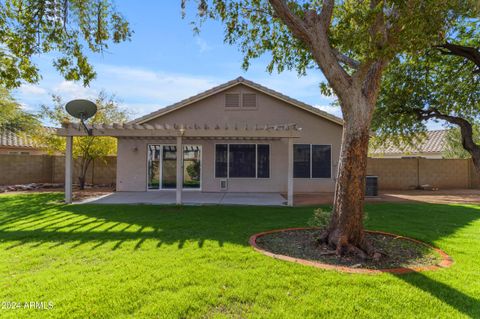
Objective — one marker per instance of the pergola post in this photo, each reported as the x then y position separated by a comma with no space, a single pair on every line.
179,170
290,172
68,169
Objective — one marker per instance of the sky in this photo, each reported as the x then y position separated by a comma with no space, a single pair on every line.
164,63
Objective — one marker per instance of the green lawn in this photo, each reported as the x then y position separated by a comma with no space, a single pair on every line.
118,261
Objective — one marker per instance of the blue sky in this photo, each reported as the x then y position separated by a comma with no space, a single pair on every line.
164,63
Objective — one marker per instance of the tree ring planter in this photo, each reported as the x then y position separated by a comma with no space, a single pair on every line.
445,260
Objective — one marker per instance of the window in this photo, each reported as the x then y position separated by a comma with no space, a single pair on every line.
263,161
321,161
242,160
221,159
312,161
232,100
301,160
153,167
249,100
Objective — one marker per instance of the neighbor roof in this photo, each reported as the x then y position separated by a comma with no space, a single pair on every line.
230,84
434,142
20,140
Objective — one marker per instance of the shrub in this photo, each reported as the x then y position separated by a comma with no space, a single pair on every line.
320,218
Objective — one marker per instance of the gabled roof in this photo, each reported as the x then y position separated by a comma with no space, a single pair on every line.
434,142
228,85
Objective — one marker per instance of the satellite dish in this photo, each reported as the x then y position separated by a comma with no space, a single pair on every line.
82,110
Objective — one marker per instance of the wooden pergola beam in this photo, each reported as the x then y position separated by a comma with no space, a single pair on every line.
172,131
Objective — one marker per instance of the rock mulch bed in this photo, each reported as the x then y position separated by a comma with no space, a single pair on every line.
399,254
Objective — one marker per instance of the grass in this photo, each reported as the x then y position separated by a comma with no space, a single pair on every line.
119,261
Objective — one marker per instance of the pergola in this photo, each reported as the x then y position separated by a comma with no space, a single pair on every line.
179,132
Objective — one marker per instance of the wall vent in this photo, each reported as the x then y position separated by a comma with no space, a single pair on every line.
223,184
232,100
249,100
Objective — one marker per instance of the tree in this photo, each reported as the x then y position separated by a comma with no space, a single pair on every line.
62,27
12,117
441,84
453,140
351,42
85,148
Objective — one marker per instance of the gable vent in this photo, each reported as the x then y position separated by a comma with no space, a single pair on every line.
249,100
232,100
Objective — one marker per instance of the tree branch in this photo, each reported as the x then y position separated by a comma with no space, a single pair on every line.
313,31
343,58
470,53
466,130
296,25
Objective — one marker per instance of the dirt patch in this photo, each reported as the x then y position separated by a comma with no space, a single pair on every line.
78,195
446,196
400,254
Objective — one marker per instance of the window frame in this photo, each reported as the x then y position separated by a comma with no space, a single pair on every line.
256,160
311,161
200,146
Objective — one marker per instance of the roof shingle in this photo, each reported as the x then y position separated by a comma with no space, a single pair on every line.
434,142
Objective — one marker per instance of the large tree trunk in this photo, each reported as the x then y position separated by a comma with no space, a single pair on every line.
345,232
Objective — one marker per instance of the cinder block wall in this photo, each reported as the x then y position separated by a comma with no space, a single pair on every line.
24,169
392,173
409,173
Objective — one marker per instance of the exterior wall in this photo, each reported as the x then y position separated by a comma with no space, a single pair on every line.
132,153
25,169
408,173
392,173
432,155
31,151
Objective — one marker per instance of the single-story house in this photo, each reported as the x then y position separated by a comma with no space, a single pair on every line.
236,137
431,146
19,143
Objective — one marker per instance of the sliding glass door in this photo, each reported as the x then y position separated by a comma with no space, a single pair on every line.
162,167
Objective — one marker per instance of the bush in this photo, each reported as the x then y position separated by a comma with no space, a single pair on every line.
320,218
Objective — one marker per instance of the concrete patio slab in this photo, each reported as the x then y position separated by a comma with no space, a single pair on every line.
190,198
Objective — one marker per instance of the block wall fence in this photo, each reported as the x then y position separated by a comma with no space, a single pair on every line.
24,169
392,173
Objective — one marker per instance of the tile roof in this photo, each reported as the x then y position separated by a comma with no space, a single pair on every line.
229,84
434,142
21,140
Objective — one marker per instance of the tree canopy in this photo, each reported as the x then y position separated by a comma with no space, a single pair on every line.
439,83
351,42
13,117
64,28
86,148
417,85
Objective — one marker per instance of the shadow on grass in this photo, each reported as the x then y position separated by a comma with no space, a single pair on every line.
465,304
41,219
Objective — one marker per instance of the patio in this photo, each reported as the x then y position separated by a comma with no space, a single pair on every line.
189,198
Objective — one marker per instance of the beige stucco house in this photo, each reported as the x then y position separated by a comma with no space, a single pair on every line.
237,137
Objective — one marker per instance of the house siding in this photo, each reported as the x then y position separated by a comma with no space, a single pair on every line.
132,161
